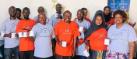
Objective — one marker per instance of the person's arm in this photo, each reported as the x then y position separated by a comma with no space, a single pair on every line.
75,39
2,30
56,34
131,50
132,41
19,26
33,32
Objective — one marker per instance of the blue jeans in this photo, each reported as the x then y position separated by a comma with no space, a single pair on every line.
10,52
2,52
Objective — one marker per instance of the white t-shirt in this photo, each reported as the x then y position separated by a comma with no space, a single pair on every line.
120,38
43,35
85,24
9,26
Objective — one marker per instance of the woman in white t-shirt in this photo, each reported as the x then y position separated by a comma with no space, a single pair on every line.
122,38
43,33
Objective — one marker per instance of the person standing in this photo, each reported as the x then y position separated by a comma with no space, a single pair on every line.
40,10
57,16
84,24
122,37
96,37
9,30
18,13
66,32
86,16
108,16
26,43
43,34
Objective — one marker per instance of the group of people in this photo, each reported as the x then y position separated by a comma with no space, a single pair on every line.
106,36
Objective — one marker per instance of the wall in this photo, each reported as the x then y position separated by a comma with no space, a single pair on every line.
72,5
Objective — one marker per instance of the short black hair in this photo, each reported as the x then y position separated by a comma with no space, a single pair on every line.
18,9
26,8
84,9
122,13
41,8
107,7
58,4
67,11
12,7
80,10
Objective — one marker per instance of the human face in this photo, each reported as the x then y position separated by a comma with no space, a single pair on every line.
118,19
26,14
41,10
79,15
106,11
42,19
12,11
67,16
85,12
18,14
98,20
59,8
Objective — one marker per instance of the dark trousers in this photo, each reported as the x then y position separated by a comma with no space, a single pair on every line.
2,52
94,54
53,47
26,54
63,57
43,58
11,53
80,57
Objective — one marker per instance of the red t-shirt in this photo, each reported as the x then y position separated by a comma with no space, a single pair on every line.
66,32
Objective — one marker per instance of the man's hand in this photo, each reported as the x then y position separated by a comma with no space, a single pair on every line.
7,35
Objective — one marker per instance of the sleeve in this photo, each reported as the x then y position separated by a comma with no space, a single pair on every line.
88,25
52,32
76,31
132,35
3,28
2,31
34,30
51,20
56,27
32,24
19,27
88,32
109,34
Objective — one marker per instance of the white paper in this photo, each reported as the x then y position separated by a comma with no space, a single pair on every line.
31,33
107,42
79,37
2,34
64,44
24,34
86,53
20,34
81,29
13,35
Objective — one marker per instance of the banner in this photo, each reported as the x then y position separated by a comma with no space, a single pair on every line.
119,4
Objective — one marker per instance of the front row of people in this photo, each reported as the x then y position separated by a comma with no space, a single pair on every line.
78,38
